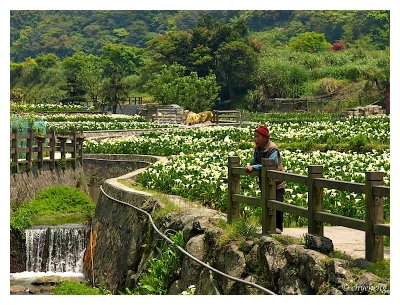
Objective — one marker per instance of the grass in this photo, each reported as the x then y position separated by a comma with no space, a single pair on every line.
76,288
381,269
237,230
288,240
53,206
339,254
137,186
168,205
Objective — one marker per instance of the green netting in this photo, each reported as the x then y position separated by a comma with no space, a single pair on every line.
22,123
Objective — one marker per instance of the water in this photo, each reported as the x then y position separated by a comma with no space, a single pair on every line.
51,252
56,248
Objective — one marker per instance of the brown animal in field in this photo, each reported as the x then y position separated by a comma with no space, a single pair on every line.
206,116
192,118
196,118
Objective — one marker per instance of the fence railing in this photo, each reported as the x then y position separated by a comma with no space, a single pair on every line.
374,191
27,149
227,117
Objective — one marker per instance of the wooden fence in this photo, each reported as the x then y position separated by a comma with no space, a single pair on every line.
134,100
231,117
28,149
304,105
374,191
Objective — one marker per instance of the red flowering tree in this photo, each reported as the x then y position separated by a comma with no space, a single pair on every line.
338,46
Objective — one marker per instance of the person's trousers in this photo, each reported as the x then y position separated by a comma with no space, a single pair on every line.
279,214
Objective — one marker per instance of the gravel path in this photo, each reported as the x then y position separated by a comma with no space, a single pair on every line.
350,241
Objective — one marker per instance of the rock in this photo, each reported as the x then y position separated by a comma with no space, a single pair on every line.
271,256
190,269
246,246
289,282
367,279
18,289
175,288
332,291
292,253
251,259
250,290
207,284
361,263
338,272
319,243
49,280
235,265
366,283
42,290
311,269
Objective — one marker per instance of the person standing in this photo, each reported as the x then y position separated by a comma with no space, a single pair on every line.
265,148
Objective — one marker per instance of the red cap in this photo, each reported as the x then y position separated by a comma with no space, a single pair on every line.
263,130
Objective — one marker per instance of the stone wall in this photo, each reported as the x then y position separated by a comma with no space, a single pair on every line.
366,111
123,241
100,167
24,186
17,251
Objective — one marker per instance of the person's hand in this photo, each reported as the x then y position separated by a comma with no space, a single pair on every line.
249,169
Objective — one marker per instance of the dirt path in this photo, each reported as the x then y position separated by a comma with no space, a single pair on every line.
350,241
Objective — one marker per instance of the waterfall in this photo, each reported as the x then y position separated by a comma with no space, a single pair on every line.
56,248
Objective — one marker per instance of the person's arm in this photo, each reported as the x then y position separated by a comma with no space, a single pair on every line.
275,155
254,166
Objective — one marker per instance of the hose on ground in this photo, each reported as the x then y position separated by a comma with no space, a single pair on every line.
267,291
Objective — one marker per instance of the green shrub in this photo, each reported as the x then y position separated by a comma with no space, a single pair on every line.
161,273
309,42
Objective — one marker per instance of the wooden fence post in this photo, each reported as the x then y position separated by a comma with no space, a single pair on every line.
40,141
233,188
373,215
63,146
74,152
29,145
315,200
80,144
53,140
217,116
268,192
14,144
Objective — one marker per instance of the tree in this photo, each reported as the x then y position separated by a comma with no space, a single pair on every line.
119,62
171,86
46,61
174,46
91,77
74,88
19,48
236,64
